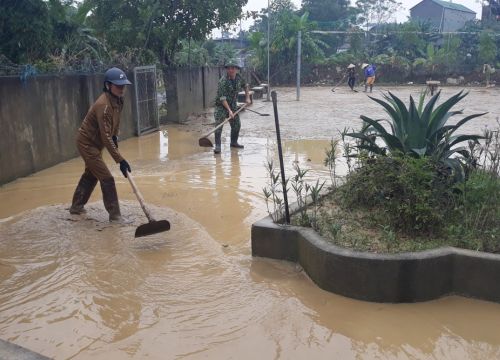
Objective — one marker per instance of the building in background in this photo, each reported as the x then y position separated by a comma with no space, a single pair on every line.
444,16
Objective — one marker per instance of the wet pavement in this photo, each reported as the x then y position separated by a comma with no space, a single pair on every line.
78,287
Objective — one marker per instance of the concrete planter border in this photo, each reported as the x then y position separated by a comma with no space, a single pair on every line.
394,278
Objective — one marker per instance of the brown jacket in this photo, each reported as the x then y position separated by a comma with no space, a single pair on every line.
100,124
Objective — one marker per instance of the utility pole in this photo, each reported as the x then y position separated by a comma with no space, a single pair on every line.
299,49
268,31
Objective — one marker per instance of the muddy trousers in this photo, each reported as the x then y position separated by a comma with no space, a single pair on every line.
235,130
95,170
351,82
85,188
369,82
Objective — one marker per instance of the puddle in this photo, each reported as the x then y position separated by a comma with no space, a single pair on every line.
77,287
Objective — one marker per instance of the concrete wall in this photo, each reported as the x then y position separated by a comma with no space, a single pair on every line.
395,278
39,120
15,352
189,90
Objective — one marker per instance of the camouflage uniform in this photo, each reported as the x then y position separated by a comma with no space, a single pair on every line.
228,90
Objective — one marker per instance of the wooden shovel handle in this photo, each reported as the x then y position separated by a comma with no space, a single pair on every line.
222,123
140,198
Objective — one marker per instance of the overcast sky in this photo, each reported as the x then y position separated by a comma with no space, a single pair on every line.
401,15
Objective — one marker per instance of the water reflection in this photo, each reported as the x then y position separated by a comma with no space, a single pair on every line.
79,288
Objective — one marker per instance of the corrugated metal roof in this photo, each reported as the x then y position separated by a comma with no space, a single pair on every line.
450,5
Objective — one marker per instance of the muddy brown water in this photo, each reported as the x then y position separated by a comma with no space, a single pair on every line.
77,287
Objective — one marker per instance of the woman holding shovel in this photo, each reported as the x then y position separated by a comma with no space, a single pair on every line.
99,130
226,104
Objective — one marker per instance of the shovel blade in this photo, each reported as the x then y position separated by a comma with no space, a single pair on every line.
205,142
153,227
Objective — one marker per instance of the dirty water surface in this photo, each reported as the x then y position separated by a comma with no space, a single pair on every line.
77,287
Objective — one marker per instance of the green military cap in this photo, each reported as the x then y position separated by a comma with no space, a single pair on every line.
232,62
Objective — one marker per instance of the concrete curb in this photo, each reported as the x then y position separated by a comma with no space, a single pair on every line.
12,351
395,278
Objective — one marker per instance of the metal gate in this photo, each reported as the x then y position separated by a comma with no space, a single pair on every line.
146,99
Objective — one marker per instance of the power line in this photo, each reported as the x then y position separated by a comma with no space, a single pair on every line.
400,32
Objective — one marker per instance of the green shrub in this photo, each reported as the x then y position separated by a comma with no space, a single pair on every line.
407,193
477,212
418,131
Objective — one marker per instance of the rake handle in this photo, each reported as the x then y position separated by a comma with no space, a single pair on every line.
341,80
139,197
222,123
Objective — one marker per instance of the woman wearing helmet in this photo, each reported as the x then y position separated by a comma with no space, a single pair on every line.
99,130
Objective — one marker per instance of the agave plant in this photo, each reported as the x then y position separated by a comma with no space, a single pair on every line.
419,131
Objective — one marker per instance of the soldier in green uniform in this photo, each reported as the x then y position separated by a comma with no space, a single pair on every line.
225,104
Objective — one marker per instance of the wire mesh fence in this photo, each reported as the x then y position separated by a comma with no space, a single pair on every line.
146,99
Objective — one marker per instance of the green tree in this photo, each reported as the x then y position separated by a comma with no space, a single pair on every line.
487,48
192,54
330,15
160,25
285,23
284,43
428,63
449,55
223,53
411,39
25,30
327,12
257,43
376,11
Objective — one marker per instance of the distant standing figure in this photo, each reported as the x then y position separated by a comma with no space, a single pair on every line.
226,104
369,71
487,71
351,76
99,130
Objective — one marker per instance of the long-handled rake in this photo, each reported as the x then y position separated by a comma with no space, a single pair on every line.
258,113
204,141
340,82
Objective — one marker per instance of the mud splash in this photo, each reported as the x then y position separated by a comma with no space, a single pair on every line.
78,287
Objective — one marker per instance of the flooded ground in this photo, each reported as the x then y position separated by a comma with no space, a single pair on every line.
77,287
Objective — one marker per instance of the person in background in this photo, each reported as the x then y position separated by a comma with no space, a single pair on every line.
488,70
351,76
226,104
99,130
369,71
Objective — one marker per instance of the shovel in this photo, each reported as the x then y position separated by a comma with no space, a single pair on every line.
153,227
204,141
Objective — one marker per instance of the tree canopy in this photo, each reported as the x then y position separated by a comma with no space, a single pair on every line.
86,35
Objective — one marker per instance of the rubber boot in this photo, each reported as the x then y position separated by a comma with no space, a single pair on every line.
218,136
110,199
371,88
366,88
234,142
82,193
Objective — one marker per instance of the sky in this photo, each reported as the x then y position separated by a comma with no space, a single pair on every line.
401,15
